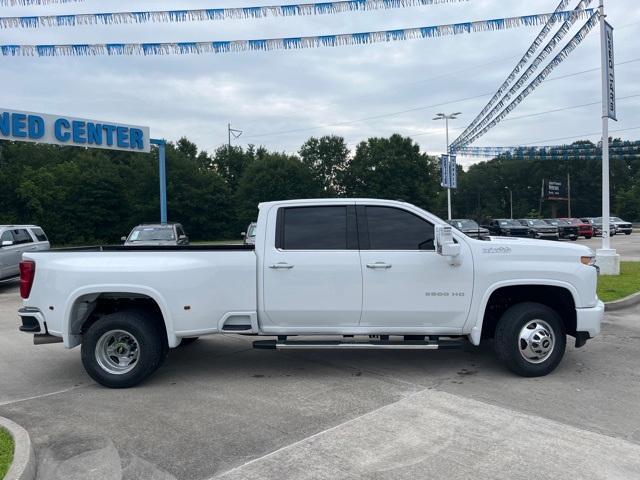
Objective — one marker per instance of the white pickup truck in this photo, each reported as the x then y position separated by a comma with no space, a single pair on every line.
374,274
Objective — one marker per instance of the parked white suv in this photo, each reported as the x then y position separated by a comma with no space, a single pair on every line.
14,241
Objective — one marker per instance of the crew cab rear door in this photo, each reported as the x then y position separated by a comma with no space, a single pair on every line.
405,282
312,275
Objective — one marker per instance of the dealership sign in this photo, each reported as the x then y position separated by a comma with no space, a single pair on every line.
448,171
610,73
555,190
77,132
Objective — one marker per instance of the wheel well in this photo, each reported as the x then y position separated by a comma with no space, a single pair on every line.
557,298
88,309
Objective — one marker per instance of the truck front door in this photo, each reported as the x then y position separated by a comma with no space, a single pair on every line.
311,274
405,282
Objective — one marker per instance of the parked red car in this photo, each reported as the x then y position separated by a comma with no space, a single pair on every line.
584,229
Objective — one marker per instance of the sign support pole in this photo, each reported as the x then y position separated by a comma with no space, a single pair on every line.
162,170
606,257
446,120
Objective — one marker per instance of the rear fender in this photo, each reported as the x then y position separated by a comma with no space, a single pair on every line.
91,292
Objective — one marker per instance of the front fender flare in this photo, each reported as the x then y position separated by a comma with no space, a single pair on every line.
476,330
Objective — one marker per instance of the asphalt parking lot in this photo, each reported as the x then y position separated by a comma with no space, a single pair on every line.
220,409
628,246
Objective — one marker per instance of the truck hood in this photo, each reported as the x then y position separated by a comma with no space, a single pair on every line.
533,247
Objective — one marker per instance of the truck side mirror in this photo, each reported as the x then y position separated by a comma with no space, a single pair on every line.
7,243
123,239
182,237
243,234
445,244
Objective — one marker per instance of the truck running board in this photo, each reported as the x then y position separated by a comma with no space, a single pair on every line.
371,345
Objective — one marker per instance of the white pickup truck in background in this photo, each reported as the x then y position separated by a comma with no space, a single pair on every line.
376,274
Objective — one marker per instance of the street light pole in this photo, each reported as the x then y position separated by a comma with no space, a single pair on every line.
446,118
510,200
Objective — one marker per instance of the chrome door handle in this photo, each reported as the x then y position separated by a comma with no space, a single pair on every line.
281,266
386,266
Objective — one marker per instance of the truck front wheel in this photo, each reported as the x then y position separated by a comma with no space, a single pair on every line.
122,349
530,339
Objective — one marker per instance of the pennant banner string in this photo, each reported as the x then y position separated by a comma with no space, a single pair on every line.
546,51
290,43
625,148
22,3
557,60
169,16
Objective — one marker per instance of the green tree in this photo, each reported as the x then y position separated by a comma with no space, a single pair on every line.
231,163
273,176
327,159
393,168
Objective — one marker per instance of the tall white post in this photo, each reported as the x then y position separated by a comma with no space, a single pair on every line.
606,257
446,120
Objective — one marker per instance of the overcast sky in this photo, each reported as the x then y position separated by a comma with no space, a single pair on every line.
280,98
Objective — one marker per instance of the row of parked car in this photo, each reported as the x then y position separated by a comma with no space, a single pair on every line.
17,239
549,228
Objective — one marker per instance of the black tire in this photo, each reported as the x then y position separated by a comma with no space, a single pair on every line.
187,341
148,339
509,348
573,239
588,237
627,233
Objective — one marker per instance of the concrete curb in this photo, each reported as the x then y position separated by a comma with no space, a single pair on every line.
24,459
626,302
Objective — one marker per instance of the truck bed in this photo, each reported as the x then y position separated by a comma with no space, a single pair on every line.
197,288
122,248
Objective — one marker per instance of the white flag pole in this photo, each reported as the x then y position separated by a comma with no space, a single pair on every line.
446,119
607,259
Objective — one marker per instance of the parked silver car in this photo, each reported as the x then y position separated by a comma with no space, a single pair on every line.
14,241
249,236
157,234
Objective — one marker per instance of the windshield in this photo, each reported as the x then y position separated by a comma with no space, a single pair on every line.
468,224
251,231
616,219
536,222
146,234
509,223
557,221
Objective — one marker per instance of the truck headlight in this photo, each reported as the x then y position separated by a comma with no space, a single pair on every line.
589,260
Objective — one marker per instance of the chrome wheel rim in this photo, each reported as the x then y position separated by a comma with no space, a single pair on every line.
536,341
117,352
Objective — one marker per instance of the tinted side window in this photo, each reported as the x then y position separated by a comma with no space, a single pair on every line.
39,234
315,228
22,236
395,229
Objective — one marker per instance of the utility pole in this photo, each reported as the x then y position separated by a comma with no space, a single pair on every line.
568,195
446,118
606,257
231,132
510,200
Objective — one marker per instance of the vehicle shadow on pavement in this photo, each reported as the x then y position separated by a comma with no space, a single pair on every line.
422,369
